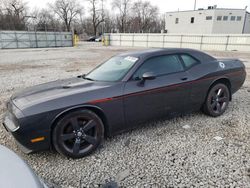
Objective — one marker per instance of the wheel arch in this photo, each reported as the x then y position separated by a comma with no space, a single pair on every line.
98,111
223,80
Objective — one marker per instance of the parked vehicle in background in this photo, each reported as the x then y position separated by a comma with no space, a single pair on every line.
91,39
15,173
98,39
74,115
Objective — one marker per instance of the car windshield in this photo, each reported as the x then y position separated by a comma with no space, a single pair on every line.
112,70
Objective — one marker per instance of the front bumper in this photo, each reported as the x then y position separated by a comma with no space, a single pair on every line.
24,129
23,148
10,123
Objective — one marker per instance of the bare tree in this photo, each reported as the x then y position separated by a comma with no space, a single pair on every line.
123,7
97,14
67,10
46,21
1,7
85,25
145,16
109,22
13,14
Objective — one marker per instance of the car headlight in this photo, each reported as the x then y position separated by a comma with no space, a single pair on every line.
9,123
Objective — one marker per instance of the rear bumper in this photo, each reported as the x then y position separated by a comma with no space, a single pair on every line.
237,80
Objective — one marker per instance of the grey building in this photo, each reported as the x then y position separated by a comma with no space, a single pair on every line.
208,21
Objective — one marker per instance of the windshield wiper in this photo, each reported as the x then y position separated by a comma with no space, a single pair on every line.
86,78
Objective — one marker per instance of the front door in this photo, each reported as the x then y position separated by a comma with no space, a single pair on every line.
163,96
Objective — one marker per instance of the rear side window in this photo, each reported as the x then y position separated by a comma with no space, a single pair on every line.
160,65
188,60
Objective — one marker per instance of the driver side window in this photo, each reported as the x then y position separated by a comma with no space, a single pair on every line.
160,65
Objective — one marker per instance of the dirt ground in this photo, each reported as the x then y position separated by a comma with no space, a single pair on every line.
164,153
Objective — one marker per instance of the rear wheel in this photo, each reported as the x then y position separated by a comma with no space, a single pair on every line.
217,100
78,134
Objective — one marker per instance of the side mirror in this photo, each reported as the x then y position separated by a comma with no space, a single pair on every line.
148,76
81,76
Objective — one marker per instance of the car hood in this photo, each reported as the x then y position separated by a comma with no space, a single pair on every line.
55,89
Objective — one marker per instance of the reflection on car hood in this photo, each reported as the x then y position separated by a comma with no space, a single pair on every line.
55,89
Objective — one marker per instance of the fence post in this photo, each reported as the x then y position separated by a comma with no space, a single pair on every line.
72,36
55,38
28,33
227,42
107,39
61,39
36,39
133,40
163,41
181,41
201,42
147,39
16,39
47,45
1,39
120,39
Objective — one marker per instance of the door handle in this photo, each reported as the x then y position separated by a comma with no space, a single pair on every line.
185,78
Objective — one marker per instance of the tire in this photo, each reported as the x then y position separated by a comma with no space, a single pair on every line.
78,134
217,100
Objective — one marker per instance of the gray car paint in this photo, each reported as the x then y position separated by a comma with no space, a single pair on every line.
15,173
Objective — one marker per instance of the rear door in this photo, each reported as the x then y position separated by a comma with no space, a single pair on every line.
166,95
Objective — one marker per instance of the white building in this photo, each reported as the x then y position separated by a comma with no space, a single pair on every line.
210,21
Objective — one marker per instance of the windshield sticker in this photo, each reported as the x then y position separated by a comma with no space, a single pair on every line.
131,59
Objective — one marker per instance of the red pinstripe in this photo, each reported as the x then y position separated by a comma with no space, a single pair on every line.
157,89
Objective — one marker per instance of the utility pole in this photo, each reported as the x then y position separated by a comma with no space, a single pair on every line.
194,4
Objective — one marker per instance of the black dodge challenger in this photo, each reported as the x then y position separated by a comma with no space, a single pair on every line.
74,115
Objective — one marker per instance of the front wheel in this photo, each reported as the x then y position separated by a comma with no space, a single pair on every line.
217,100
78,134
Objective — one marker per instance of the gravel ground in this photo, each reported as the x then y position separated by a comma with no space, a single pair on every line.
192,151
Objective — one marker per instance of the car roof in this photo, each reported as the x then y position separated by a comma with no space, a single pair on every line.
155,51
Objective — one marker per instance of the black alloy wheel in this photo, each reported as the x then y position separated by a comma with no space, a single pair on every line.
78,134
217,100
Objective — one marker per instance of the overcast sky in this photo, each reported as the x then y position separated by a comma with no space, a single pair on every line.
168,5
